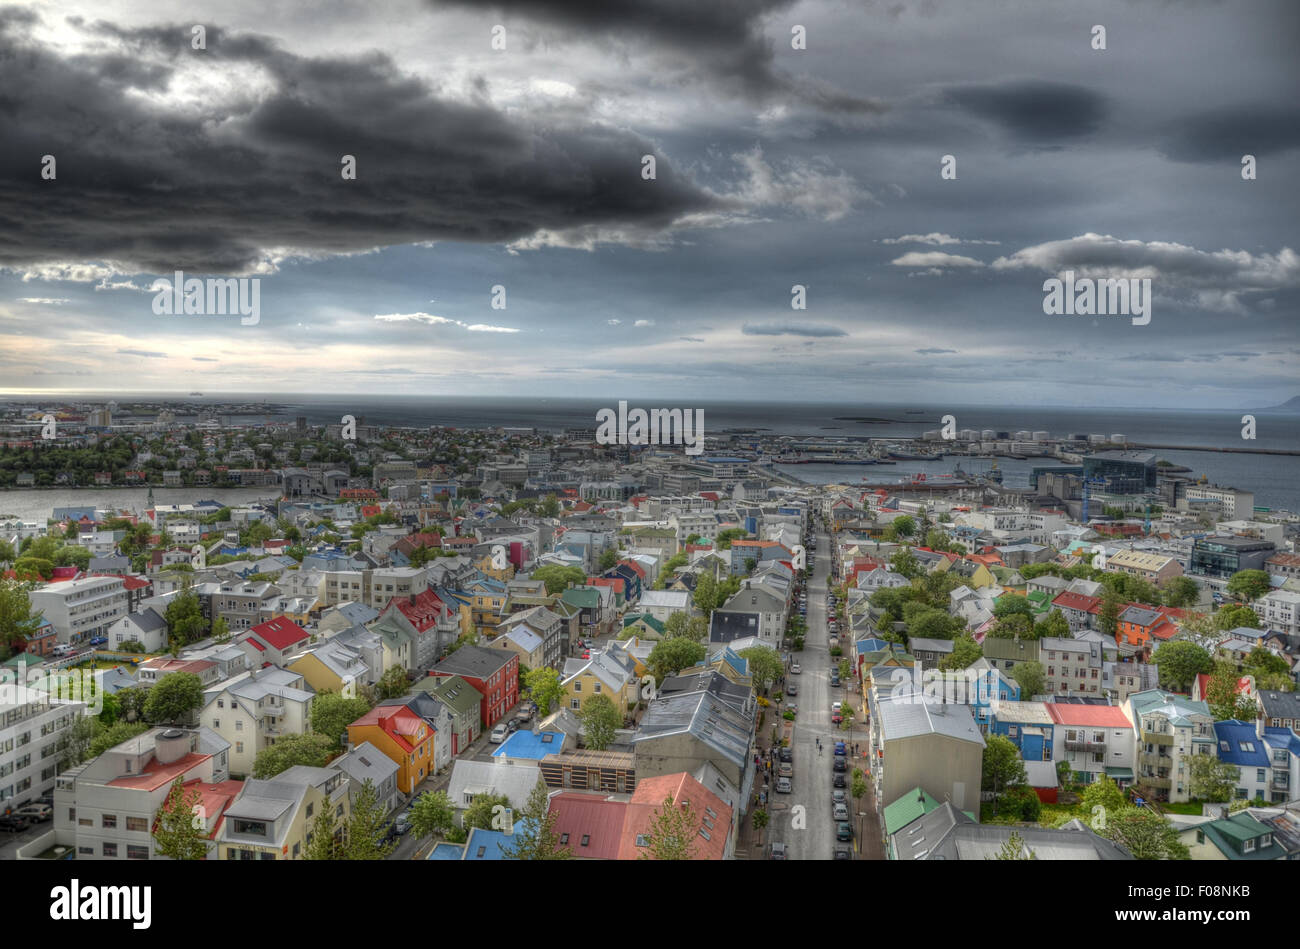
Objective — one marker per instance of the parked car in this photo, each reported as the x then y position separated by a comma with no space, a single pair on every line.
839,796
843,830
792,689
835,678
785,754
785,769
839,780
403,822
36,812
99,641
841,748
843,853
499,734
837,718
784,786
840,765
512,724
840,812
14,823
796,669
61,650
778,850
526,712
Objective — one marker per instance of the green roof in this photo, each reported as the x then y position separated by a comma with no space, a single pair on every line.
23,659
581,597
1241,827
466,699
915,803
649,620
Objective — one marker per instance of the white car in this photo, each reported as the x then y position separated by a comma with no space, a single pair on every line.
796,669
499,734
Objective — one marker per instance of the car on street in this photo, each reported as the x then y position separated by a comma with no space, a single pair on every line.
778,850
403,822
841,748
840,811
36,812
840,765
792,689
837,718
785,754
839,781
785,769
499,734
784,786
835,678
796,669
13,823
512,724
526,712
843,853
839,796
99,641
843,831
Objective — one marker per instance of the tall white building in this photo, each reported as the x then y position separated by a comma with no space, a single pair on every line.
31,724
81,609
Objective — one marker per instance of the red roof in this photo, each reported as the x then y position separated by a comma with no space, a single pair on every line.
1090,716
1078,601
213,799
371,510
280,632
424,613
398,722
618,584
649,798
594,816
129,582
710,495
636,567
156,774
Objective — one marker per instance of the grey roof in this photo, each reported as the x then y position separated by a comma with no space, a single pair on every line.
948,834
931,645
265,800
365,761
1139,615
357,613
909,716
1280,704
703,715
477,661
1026,713
515,780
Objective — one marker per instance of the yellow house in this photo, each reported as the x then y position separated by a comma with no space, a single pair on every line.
605,673
264,823
484,565
976,574
331,667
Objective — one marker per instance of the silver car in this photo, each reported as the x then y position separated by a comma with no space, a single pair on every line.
840,812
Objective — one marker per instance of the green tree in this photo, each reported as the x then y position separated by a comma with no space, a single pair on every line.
558,578
1270,670
544,686
534,836
904,526
325,839
706,594
432,813
725,537
74,741
1249,584
1031,677
1235,615
1108,616
131,702
1211,779
17,620
174,699
367,822
1013,848
392,684
672,832
33,568
1053,626
1181,591
1009,604
607,560
858,785
1222,697
481,811
905,564
114,735
1145,834
964,652
1179,662
600,721
185,622
670,656
1104,793
1002,767
308,749
181,833
929,623
332,713
220,630
765,665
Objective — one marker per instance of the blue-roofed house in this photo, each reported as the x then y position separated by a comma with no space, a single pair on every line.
446,851
1284,762
1028,725
1238,744
488,844
532,746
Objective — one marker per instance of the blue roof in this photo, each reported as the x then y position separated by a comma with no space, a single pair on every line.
524,744
1282,738
871,644
735,660
1238,744
487,844
446,851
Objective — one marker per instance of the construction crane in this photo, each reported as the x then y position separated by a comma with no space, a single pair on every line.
1086,494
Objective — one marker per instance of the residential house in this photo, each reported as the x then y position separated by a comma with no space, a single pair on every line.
946,833
275,819
367,763
494,673
463,701
399,732
1095,740
254,710
605,673
1167,728
914,742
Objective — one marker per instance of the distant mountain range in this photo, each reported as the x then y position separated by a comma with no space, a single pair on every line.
1290,405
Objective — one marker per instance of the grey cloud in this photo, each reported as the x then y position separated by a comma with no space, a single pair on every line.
143,352
1033,110
1226,134
792,329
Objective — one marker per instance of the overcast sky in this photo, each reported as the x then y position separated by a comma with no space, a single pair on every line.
522,167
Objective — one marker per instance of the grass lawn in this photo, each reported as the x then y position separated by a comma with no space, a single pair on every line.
1191,807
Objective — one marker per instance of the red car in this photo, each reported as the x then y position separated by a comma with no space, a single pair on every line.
586,654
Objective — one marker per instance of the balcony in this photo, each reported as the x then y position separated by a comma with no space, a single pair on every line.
1155,738
1082,745
1281,782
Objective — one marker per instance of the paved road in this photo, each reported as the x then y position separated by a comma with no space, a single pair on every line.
812,774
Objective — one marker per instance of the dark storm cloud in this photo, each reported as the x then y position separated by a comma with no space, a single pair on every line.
1033,110
722,39
792,329
155,189
1227,134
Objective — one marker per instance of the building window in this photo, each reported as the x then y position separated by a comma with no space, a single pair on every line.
109,821
137,824
110,850
135,852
